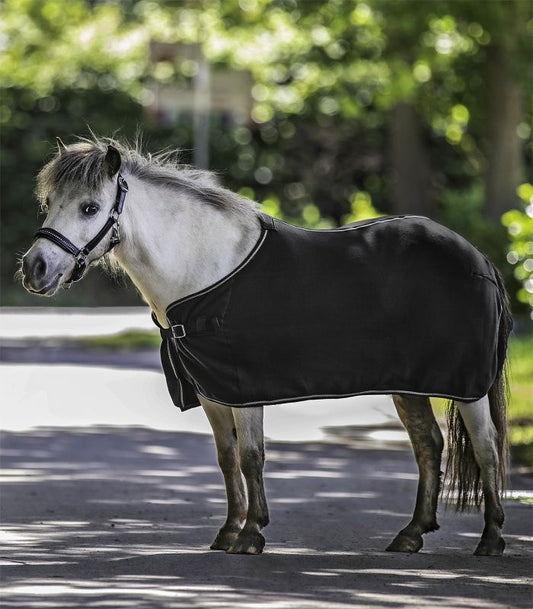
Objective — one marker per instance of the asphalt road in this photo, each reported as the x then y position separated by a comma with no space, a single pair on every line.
121,516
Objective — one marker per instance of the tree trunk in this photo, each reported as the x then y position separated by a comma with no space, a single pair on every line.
409,190
504,150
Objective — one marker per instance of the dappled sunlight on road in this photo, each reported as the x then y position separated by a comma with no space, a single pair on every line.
123,517
238,588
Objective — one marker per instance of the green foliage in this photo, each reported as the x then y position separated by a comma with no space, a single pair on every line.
326,75
519,224
462,210
61,44
520,412
362,208
521,376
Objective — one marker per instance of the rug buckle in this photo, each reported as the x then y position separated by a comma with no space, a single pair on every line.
178,331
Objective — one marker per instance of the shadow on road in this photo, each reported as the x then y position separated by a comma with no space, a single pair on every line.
123,518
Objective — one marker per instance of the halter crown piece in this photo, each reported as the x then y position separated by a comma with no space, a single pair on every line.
112,223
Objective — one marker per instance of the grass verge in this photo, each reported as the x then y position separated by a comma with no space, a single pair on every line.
520,414
124,341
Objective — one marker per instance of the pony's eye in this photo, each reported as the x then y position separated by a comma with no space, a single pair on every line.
90,209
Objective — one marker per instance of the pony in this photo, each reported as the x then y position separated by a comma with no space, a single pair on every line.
181,238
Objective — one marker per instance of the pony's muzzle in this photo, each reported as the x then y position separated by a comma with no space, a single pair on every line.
34,269
40,276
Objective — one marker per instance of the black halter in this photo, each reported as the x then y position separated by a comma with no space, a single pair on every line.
81,253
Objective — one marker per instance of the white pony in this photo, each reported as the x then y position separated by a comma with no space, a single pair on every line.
180,233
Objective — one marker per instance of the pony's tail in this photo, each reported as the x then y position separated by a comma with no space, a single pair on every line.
462,471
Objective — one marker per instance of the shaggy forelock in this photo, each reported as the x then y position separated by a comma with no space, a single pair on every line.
82,165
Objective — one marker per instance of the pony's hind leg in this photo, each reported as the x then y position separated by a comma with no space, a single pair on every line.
477,419
249,425
417,417
223,425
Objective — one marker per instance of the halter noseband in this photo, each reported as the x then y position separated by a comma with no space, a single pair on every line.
112,223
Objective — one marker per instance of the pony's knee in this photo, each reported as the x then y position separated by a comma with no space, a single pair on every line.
227,459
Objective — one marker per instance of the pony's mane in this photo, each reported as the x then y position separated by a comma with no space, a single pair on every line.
82,164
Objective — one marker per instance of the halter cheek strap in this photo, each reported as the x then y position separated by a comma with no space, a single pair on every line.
112,223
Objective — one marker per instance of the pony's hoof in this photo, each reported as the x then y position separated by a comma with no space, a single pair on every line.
248,543
224,540
405,543
490,547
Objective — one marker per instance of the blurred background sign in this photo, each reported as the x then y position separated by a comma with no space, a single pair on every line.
222,93
228,93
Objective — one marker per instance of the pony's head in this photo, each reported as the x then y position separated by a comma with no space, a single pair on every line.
77,190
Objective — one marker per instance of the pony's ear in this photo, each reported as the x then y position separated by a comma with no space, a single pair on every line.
112,161
61,148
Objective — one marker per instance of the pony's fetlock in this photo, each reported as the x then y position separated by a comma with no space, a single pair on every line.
432,527
264,519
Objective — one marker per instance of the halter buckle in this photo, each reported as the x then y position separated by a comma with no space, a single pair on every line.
115,236
78,270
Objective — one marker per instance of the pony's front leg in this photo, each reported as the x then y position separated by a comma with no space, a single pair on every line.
249,425
417,417
483,435
223,425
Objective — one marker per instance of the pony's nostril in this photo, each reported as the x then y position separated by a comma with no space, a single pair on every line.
39,267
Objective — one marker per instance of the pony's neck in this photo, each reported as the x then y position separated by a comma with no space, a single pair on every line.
173,244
